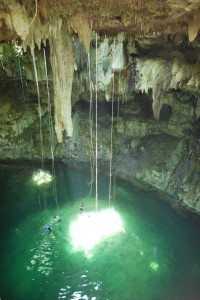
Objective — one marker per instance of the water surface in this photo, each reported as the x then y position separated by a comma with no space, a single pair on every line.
155,257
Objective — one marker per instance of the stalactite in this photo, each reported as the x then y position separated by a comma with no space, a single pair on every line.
81,25
62,62
20,21
181,72
119,59
6,17
193,28
161,76
156,106
34,25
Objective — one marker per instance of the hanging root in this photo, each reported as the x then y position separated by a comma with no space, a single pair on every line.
36,11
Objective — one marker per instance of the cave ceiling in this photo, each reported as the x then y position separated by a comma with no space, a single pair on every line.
151,26
135,17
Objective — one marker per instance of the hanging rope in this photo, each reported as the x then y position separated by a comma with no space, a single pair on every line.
111,136
91,128
51,131
35,15
31,132
20,61
24,97
118,94
111,141
40,124
21,77
39,108
118,110
96,123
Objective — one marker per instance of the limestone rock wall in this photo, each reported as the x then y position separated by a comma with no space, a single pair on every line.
157,155
155,145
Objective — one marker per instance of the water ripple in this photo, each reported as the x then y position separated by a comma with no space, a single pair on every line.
41,257
85,290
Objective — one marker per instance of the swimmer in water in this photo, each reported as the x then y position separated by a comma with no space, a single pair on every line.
81,206
47,229
57,218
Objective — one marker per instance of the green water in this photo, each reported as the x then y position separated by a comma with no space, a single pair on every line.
155,257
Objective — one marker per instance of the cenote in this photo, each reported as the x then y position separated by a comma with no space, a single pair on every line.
155,255
106,92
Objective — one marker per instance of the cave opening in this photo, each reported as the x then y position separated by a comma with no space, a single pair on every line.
165,112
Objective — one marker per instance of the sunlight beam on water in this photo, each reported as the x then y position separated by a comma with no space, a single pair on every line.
90,229
41,177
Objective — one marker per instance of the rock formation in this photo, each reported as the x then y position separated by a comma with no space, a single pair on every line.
140,58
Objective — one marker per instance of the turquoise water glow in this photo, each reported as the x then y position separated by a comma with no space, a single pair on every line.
155,257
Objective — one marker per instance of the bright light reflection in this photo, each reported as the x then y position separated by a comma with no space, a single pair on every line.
154,266
41,177
91,228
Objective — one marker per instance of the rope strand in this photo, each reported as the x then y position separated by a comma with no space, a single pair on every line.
96,123
50,130
111,142
40,122
91,128
39,108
